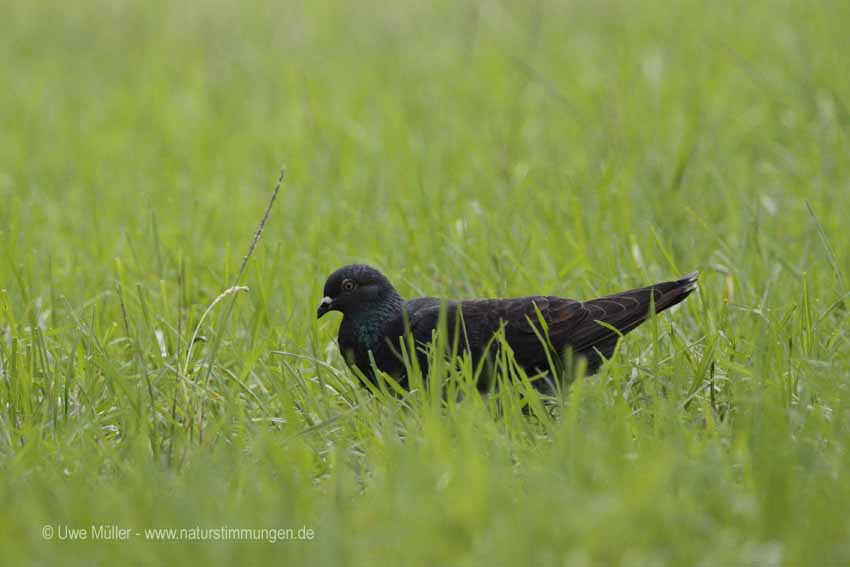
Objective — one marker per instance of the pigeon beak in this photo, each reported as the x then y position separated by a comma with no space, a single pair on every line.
324,307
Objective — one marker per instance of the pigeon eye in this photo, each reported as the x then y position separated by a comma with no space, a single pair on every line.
348,285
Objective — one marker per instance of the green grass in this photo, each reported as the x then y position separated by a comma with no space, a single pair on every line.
467,149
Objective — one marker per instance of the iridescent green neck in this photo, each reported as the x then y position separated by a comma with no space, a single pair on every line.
369,323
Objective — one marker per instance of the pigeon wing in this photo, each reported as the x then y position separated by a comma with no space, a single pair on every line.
576,325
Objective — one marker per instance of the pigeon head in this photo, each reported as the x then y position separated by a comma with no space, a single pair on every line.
357,288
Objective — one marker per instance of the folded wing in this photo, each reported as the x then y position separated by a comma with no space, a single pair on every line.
566,323
575,325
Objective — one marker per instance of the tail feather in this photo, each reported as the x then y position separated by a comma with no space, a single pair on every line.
626,310
674,292
636,302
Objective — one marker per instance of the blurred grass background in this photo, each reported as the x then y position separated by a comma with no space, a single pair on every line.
467,149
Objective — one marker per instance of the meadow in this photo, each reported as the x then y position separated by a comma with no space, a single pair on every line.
468,149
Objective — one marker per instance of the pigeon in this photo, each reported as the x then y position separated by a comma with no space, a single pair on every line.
376,321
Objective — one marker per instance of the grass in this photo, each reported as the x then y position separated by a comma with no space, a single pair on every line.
467,149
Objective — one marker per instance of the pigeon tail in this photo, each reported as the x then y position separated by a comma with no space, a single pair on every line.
635,303
626,310
673,293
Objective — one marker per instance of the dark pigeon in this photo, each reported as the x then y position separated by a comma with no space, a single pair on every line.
373,322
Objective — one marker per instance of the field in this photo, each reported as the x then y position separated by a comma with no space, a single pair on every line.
469,150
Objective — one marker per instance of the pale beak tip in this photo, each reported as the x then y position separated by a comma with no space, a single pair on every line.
324,306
